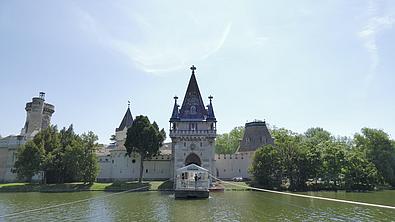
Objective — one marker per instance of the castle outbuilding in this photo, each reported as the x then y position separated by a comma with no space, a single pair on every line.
256,135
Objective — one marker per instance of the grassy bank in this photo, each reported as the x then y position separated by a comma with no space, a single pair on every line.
74,187
111,187
238,186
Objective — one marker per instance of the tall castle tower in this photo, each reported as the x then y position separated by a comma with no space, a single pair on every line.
193,129
38,116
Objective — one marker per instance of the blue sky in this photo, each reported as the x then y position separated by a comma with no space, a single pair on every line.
296,64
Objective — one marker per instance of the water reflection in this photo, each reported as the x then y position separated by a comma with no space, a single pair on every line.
228,206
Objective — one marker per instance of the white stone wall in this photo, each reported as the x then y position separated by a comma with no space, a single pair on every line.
8,149
235,165
117,166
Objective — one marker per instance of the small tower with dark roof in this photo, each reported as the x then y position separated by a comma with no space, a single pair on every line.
193,129
256,135
120,132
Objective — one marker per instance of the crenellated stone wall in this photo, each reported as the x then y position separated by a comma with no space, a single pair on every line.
119,167
228,166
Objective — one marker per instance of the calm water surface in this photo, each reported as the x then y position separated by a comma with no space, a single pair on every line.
227,206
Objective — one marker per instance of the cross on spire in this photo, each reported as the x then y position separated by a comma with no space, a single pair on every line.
128,104
193,68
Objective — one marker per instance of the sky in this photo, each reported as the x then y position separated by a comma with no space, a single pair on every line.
295,64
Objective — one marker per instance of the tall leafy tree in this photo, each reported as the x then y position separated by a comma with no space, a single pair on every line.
144,139
29,160
265,167
63,156
333,161
359,172
379,149
315,139
89,166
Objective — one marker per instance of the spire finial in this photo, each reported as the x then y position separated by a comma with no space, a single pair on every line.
128,104
193,68
175,99
210,98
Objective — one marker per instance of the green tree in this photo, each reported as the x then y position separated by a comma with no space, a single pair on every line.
265,167
63,156
359,172
333,161
228,143
144,139
89,165
29,160
314,140
379,149
49,140
293,160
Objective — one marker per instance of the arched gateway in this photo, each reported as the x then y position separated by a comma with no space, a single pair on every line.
193,159
193,130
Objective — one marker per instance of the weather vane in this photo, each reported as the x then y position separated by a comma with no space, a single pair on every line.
193,68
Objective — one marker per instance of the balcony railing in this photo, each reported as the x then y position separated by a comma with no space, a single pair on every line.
192,132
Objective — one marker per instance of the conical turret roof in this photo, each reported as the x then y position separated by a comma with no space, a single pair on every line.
193,106
175,114
127,121
210,110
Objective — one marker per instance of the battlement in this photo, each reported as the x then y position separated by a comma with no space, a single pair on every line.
235,156
38,115
160,157
176,133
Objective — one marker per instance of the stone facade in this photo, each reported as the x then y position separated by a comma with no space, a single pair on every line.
115,165
193,130
38,117
192,133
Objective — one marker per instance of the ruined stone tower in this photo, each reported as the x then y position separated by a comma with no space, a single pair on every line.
38,116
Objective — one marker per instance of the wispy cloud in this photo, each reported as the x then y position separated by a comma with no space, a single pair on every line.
375,25
158,47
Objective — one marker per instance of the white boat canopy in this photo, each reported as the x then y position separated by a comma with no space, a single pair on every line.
191,167
192,177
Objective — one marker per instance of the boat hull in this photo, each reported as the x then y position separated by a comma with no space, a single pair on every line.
186,194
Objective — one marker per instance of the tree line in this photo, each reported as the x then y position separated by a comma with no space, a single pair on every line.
228,143
317,160
62,156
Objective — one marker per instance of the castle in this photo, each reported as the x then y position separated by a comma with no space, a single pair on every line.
193,129
38,117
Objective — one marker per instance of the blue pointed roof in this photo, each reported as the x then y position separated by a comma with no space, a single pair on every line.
210,111
193,106
175,114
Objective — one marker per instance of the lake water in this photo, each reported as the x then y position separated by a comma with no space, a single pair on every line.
227,206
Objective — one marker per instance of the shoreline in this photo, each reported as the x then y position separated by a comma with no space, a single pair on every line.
162,186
